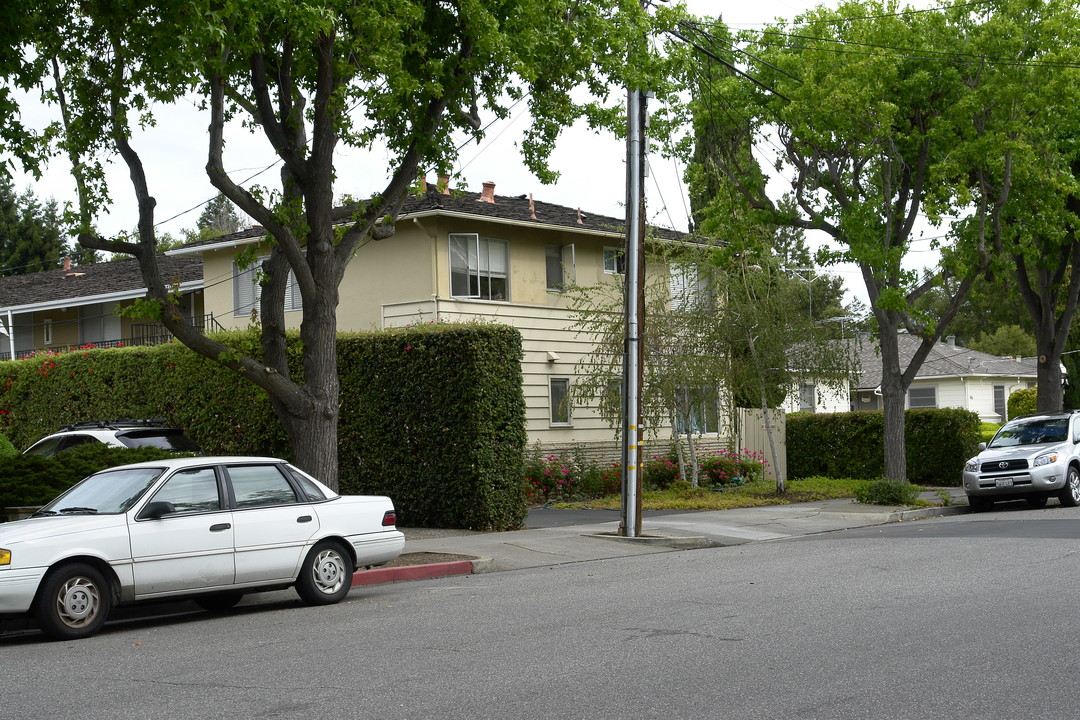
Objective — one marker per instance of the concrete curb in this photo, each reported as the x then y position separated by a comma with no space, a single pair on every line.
676,542
378,576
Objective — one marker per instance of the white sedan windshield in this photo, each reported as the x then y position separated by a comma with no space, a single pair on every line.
107,492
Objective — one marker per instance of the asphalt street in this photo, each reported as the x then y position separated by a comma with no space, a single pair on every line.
969,616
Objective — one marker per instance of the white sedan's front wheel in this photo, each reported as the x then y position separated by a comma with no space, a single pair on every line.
326,574
73,602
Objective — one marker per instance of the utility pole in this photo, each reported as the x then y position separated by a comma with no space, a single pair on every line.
634,266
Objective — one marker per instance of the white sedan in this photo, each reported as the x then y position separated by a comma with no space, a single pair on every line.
212,528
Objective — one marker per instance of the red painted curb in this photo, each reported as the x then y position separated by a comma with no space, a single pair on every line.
412,572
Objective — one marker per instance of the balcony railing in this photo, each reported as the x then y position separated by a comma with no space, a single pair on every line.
142,334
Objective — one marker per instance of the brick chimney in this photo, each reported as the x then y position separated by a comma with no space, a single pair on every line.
67,262
421,184
488,195
444,184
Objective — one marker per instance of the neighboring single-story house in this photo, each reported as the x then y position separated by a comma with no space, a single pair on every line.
951,376
77,306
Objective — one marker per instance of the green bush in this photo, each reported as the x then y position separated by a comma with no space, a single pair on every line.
887,492
851,444
1023,402
6,448
433,416
35,480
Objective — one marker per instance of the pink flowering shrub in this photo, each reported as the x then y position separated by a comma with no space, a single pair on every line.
732,467
659,472
548,479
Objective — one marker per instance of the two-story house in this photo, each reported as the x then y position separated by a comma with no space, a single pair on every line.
461,256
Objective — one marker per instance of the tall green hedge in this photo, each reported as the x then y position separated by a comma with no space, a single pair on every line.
433,416
938,443
1023,402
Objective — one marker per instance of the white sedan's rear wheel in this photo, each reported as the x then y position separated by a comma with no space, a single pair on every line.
325,575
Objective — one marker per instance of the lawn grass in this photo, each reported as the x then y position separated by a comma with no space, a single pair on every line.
751,495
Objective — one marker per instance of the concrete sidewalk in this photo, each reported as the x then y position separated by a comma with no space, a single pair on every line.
558,543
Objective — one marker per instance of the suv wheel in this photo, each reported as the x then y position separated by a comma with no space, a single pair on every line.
1036,501
978,503
1070,494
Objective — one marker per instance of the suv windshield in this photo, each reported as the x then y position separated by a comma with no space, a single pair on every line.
1031,431
109,491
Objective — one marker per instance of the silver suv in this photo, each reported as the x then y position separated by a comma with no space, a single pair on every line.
116,433
1033,457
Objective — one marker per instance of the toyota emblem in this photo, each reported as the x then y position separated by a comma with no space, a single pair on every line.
1003,464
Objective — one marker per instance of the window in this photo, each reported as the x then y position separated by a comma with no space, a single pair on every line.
999,401
690,287
559,392
560,266
247,291
257,485
478,267
922,397
701,406
46,331
193,490
614,261
807,398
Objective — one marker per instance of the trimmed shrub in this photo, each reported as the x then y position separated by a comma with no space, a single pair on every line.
938,442
1023,402
433,416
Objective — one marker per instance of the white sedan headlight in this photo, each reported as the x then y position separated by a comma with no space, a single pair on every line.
1047,459
972,465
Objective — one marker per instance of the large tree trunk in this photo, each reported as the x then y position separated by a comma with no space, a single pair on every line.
893,390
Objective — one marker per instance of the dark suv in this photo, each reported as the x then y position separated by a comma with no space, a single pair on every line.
1033,457
116,433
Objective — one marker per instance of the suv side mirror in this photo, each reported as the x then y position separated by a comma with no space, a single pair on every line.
982,446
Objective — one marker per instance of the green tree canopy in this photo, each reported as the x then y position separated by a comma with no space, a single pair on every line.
312,77
879,118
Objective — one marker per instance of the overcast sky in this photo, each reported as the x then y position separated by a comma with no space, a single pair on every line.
592,166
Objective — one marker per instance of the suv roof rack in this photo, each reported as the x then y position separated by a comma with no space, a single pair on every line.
116,424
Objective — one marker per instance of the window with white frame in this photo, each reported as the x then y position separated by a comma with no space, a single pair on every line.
807,398
614,261
560,266
46,331
559,395
690,287
479,267
247,291
922,397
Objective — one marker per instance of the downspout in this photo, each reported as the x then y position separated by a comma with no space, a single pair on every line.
11,333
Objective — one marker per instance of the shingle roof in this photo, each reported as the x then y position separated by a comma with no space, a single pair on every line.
516,208
944,360
86,281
